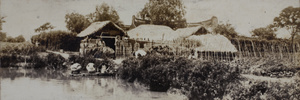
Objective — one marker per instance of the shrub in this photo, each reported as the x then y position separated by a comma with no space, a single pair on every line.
129,70
54,61
262,90
267,67
208,80
8,60
56,40
103,52
198,79
38,62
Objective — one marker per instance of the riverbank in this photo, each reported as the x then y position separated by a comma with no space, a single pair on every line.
261,78
199,79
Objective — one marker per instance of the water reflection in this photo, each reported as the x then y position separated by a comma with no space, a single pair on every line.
32,84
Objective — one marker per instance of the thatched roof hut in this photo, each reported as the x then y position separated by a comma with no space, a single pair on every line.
106,28
150,32
213,42
105,31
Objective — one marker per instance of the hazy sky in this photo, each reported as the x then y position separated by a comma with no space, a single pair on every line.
23,16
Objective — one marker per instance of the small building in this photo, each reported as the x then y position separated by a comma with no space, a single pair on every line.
104,33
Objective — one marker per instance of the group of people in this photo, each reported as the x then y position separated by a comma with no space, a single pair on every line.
76,67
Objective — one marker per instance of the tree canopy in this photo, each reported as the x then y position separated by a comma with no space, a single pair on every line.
264,33
57,40
226,30
105,12
164,12
76,22
19,38
1,22
289,18
2,34
44,27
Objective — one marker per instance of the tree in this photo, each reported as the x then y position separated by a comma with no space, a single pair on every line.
2,34
44,27
289,18
264,33
1,21
76,22
164,12
105,12
226,30
10,39
19,38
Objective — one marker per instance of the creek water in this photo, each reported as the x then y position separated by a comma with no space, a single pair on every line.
32,84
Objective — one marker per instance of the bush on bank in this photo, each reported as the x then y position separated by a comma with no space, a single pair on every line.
263,90
197,79
267,67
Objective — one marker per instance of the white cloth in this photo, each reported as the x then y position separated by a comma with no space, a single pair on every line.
75,67
140,52
90,67
103,69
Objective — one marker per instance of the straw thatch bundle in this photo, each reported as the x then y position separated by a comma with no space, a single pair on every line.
186,32
213,42
150,32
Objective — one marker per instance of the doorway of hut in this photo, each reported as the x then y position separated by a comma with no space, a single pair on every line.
110,42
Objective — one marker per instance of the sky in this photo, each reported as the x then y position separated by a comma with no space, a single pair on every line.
23,16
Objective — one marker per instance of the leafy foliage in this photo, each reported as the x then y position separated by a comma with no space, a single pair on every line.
57,40
197,79
164,12
76,22
24,48
44,27
105,12
289,18
226,30
264,33
19,38
54,61
1,21
263,90
2,34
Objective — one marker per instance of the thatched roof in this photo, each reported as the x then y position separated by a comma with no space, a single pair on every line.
185,32
96,26
151,32
211,42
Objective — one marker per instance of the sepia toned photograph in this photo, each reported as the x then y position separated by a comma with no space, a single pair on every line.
149,49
